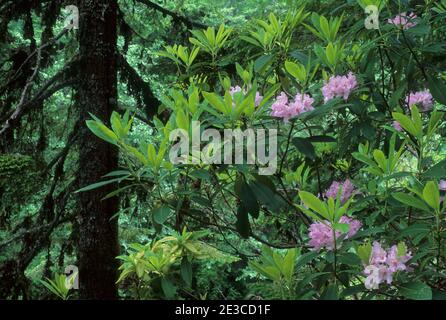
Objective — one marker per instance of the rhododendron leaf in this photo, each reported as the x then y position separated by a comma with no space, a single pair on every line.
349,258
437,89
100,184
262,62
101,131
331,205
434,121
416,290
247,197
401,249
406,123
417,121
364,251
396,96
321,139
266,195
343,227
161,214
411,201
431,195
297,70
325,28
186,271
310,213
436,171
305,147
289,261
330,53
363,158
215,101
268,271
343,209
169,288
380,159
312,202
182,120
307,258
330,293
242,225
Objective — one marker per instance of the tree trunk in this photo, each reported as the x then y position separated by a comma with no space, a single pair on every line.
97,93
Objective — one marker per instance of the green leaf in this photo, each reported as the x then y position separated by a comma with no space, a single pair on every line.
305,147
169,288
99,184
330,293
247,197
307,258
437,89
431,195
437,171
289,262
313,202
343,227
349,258
161,214
364,251
263,61
406,123
321,139
416,291
101,131
296,70
265,193
182,120
380,159
242,225
215,101
410,201
186,271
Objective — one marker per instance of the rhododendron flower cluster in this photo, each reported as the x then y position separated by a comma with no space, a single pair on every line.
321,233
234,90
403,20
339,86
347,190
383,264
422,98
282,108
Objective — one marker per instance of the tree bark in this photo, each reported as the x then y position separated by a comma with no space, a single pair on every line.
97,93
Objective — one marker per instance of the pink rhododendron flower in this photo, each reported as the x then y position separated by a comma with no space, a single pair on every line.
236,89
354,225
302,103
422,98
379,255
442,185
383,264
339,86
395,262
347,190
376,275
321,233
258,99
403,20
396,125
282,108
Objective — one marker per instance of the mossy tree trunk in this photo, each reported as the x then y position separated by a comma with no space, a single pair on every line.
97,94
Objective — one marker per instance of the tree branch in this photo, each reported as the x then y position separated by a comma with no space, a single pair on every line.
176,17
138,87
